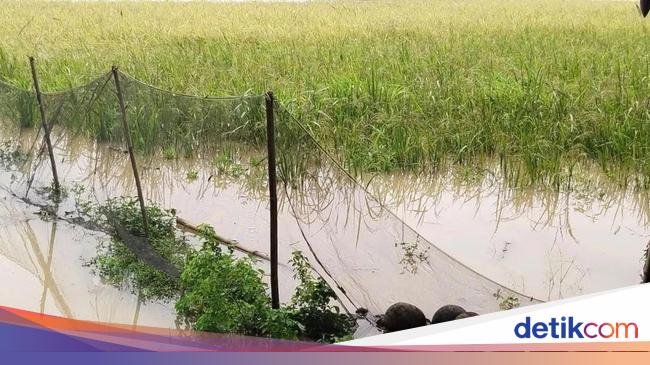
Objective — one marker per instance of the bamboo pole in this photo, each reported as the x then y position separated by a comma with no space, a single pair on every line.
188,227
129,145
46,129
273,200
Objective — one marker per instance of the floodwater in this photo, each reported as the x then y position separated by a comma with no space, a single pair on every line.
42,270
425,240
549,245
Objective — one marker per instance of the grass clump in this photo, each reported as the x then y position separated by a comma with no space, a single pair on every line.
192,175
227,165
169,153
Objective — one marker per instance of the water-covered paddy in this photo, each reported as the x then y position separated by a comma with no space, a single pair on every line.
475,238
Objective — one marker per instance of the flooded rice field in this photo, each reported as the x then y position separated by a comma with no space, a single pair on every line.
428,240
549,245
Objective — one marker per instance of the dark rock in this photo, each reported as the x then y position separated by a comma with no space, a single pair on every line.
466,315
402,316
362,312
447,313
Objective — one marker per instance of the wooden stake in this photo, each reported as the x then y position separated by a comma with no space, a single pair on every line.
646,267
129,146
46,129
273,200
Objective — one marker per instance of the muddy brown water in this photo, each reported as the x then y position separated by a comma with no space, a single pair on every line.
486,238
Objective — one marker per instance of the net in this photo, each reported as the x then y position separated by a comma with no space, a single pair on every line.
21,149
200,161
366,251
203,160
37,239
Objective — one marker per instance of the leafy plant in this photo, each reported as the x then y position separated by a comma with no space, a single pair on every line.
169,153
118,265
312,306
216,291
413,256
506,302
225,294
192,175
226,164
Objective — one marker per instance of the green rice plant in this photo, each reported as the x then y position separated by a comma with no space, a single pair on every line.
26,108
192,175
169,153
539,85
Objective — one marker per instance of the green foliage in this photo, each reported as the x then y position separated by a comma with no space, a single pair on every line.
192,175
119,266
506,302
226,165
12,156
217,291
539,85
311,305
169,153
226,295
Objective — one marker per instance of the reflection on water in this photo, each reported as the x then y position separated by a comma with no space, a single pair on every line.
450,240
549,244
42,269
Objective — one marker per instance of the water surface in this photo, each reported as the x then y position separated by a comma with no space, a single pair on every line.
428,240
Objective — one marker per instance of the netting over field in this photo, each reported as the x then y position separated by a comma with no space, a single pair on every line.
205,158
365,249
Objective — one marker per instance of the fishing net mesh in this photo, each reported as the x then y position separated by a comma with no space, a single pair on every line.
371,255
29,242
21,147
206,158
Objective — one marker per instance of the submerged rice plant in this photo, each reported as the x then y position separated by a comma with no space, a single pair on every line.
542,86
